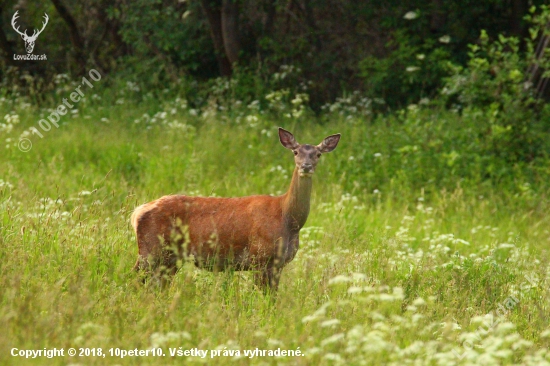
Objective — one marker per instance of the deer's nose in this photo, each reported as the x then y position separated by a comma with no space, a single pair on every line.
307,167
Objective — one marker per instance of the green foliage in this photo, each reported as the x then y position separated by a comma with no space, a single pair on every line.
495,73
498,83
394,51
172,36
539,18
412,70
282,93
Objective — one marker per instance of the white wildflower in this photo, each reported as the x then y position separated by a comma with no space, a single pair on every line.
330,323
339,279
332,339
410,15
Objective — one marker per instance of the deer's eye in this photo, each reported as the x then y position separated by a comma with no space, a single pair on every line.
318,155
295,152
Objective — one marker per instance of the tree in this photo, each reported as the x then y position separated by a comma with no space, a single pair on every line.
223,16
5,45
76,39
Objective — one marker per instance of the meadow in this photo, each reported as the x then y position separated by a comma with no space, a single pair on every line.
422,246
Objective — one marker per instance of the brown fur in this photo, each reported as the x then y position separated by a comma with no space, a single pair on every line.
247,233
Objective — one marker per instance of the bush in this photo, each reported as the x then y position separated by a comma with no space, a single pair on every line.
497,83
412,71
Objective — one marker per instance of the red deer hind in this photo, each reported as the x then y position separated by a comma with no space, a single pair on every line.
259,233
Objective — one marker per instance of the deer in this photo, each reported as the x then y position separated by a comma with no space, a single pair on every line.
29,40
257,233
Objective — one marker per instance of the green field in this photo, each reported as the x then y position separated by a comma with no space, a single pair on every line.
422,246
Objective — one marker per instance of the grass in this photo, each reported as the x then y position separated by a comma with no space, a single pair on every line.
407,249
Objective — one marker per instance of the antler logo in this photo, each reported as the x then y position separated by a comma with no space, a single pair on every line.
29,40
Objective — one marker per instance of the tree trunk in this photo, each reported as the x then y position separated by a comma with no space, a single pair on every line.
113,27
437,19
5,45
169,67
230,30
76,38
213,15
271,12
519,9
312,25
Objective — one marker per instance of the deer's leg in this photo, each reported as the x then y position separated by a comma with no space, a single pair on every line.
170,255
167,268
260,278
142,267
267,278
154,263
149,243
146,262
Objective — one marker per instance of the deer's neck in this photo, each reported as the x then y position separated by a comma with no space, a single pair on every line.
296,201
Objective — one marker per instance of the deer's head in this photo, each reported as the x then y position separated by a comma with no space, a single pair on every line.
29,40
307,156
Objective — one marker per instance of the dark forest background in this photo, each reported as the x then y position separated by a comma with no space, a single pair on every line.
397,52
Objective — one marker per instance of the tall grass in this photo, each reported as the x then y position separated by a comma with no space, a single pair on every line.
410,243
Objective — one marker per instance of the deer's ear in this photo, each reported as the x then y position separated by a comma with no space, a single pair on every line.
287,139
329,143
